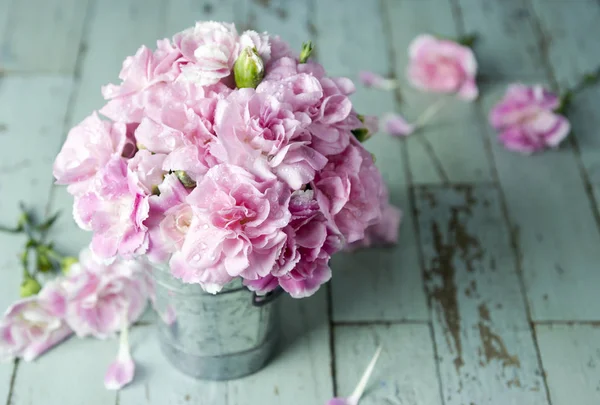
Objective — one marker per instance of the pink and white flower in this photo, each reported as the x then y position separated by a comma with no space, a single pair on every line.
527,121
442,66
32,326
98,297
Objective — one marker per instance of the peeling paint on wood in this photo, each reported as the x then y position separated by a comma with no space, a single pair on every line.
484,341
571,357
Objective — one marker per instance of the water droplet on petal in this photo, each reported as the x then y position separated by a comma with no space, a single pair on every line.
196,258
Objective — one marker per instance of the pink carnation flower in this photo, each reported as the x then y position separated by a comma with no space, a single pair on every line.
349,190
88,148
140,72
442,66
236,228
526,119
210,50
115,210
33,325
99,296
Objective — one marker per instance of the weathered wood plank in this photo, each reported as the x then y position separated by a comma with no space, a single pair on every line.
571,358
55,51
71,374
570,30
405,373
300,374
554,225
432,153
26,157
4,8
392,275
507,47
158,383
181,14
290,19
117,28
484,342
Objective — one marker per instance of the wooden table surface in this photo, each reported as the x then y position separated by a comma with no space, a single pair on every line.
491,297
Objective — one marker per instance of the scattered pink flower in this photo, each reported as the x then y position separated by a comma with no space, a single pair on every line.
394,124
442,66
527,121
32,326
122,370
371,79
98,296
361,386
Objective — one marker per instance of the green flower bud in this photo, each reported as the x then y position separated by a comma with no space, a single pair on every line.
249,68
185,179
307,48
362,134
30,286
66,263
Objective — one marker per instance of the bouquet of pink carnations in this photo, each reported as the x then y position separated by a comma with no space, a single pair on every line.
228,156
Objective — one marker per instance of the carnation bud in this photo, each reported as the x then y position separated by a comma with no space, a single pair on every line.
249,68
44,264
307,48
362,134
30,286
185,179
66,263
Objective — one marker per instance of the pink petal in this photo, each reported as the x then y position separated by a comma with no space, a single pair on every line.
371,79
396,125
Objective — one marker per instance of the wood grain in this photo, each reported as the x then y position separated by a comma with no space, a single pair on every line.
554,227
485,348
43,36
290,19
392,275
571,357
405,373
436,154
181,14
26,156
507,47
70,374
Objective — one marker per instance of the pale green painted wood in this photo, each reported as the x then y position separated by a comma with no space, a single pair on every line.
25,163
573,50
405,373
508,46
4,8
290,19
571,357
42,36
484,343
301,373
116,29
70,374
182,14
436,154
391,275
554,226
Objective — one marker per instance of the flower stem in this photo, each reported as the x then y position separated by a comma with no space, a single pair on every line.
430,112
588,80
124,352
362,385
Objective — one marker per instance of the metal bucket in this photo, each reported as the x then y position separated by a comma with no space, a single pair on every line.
214,337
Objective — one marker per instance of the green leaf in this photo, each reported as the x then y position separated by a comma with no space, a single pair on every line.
307,48
46,225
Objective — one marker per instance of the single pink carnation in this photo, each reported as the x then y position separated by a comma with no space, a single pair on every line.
210,50
115,210
442,66
527,121
236,229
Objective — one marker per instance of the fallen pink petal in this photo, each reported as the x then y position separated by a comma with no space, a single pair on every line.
122,370
371,79
396,125
361,386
